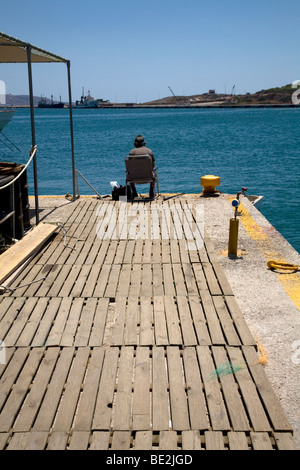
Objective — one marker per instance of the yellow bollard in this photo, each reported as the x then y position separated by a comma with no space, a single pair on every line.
233,237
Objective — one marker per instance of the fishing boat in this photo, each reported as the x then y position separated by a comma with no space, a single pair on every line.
6,116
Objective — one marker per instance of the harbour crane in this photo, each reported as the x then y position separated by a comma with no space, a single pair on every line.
232,91
172,92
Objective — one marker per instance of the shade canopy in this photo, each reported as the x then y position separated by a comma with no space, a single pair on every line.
13,50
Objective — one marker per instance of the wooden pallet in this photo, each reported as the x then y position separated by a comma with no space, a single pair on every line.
130,344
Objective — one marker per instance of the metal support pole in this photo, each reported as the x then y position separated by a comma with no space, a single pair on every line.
71,129
233,237
37,217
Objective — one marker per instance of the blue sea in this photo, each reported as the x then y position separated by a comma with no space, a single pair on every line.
256,148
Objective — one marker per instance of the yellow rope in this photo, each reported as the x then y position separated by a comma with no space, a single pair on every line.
282,265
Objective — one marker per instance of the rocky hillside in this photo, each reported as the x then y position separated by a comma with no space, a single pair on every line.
273,96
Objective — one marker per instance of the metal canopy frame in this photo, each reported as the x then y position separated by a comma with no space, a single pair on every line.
13,50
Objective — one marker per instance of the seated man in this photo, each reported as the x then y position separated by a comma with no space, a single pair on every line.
141,149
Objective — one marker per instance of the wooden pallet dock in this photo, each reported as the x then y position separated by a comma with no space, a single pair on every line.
131,343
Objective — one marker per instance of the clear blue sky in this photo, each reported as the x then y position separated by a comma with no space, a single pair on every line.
129,50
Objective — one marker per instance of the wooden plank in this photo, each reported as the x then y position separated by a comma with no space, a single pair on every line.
237,441
66,410
234,404
58,440
199,277
28,441
32,402
212,320
222,279
173,323
105,398
58,283
117,330
199,321
13,323
138,251
175,254
249,392
143,440
55,388
70,280
228,326
79,440
146,328
96,285
113,280
214,440
187,328
56,332
131,321
261,441
29,330
86,322
15,399
239,320
45,324
191,440
85,411
121,440
160,326
147,254
98,327
15,256
284,441
168,280
146,290
165,252
266,391
216,407
178,400
72,322
21,284
160,397
134,289
4,437
196,400
189,279
179,280
100,440
168,440
51,271
141,397
12,370
120,252
211,279
124,282
157,280
122,416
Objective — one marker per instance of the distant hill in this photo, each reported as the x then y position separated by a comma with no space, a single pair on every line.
23,100
280,95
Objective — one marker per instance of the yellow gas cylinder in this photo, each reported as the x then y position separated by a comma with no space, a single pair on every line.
209,183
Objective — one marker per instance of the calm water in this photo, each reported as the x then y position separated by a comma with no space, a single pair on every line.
256,148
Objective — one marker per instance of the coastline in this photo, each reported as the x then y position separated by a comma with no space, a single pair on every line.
197,106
